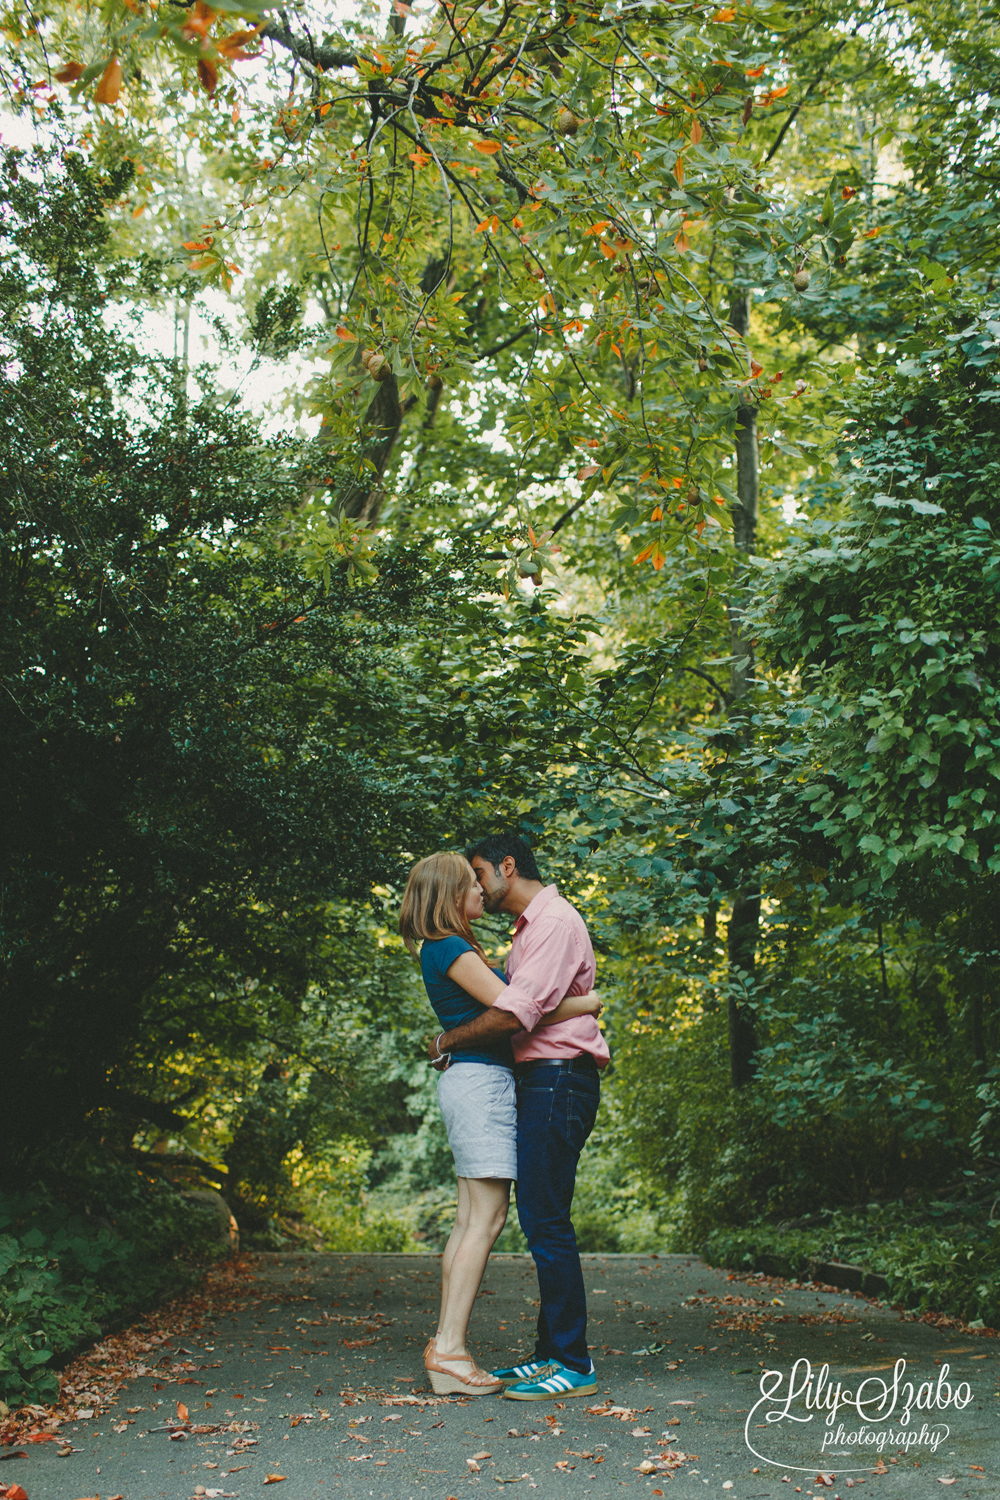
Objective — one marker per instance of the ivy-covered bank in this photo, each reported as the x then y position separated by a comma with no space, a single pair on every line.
933,1260
83,1253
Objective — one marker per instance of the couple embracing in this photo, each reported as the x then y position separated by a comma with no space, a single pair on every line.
520,1060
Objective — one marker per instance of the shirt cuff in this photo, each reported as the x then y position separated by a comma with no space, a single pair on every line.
524,1007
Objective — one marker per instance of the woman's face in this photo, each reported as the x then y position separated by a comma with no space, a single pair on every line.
474,898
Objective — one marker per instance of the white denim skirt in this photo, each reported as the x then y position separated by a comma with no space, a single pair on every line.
479,1107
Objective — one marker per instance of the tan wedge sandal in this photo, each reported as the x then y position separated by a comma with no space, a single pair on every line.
448,1382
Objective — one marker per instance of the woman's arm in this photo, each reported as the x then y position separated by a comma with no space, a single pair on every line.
590,1004
479,981
476,978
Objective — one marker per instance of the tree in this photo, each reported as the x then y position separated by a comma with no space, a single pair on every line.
201,731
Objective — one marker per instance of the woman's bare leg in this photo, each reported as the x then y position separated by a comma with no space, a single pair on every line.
454,1240
482,1213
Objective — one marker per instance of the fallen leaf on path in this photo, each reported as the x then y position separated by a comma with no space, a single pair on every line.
565,1467
21,1453
472,1465
482,1455
41,1437
15,1492
275,1478
640,1432
182,1412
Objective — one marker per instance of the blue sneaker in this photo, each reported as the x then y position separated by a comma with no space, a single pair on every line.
554,1380
515,1373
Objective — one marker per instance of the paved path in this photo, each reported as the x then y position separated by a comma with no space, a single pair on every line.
324,1368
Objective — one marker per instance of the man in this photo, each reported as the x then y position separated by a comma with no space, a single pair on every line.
558,1091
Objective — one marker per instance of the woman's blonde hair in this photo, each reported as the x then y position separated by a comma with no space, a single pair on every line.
434,900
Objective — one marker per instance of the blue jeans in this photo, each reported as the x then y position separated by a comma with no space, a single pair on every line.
556,1109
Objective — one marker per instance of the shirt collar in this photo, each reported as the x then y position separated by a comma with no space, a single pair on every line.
536,905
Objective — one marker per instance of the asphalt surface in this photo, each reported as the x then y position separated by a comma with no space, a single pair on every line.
321,1381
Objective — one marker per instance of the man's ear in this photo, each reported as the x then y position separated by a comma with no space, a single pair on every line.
508,867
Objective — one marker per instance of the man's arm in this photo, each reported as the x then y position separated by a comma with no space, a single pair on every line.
492,1026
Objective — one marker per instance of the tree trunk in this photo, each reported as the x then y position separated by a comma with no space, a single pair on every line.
745,513
744,924
362,500
741,947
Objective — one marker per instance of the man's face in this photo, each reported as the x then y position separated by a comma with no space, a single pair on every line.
494,884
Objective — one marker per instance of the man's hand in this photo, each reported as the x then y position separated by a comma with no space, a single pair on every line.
439,1061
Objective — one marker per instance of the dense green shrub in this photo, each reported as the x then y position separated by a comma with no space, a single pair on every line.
81,1254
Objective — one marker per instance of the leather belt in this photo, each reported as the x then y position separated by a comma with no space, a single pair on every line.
585,1064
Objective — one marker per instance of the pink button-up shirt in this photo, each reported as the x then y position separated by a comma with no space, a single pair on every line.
551,956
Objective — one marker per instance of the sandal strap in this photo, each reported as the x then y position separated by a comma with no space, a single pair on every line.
442,1361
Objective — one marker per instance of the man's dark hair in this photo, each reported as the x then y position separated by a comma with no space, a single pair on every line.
496,847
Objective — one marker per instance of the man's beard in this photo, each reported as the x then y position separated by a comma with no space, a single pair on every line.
493,900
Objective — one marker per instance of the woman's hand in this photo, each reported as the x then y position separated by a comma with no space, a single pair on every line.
592,1003
439,1061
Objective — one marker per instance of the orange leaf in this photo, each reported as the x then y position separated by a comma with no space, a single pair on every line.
137,211
589,471
182,1412
482,226
724,15
419,158
847,193
70,73
695,132
751,73
15,1492
679,169
488,148
345,335
110,86
208,75
658,559
597,228
274,1478
871,233
657,514
616,349
641,558
755,369
198,244
682,242
607,250
232,46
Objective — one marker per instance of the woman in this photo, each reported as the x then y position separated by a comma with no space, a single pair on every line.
476,1094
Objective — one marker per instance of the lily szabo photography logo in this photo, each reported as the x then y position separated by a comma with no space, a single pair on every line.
808,1414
